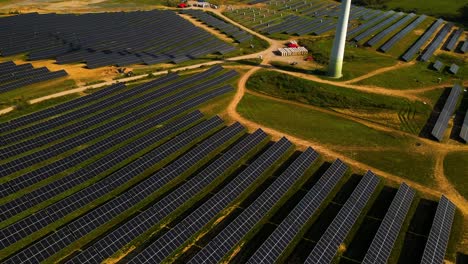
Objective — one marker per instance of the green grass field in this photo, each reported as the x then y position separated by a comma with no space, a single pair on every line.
456,170
393,153
419,75
357,61
390,111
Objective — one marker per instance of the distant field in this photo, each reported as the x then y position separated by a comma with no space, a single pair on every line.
431,7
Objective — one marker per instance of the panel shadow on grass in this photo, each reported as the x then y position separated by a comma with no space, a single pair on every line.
362,240
432,120
418,231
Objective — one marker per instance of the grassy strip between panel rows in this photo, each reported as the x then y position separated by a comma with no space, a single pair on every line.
135,208
22,243
228,209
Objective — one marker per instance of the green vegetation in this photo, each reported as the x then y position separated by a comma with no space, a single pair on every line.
391,111
26,93
357,61
390,152
456,170
419,75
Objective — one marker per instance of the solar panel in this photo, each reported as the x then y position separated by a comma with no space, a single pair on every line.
378,27
245,222
88,172
278,241
454,68
327,246
123,235
437,242
368,24
444,117
189,226
453,40
102,38
58,109
390,29
436,42
464,130
78,140
438,65
87,195
400,35
464,47
411,52
383,242
102,214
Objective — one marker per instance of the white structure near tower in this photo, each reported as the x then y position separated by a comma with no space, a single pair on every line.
337,53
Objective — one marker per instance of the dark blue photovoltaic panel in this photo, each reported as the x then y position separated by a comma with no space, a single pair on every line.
327,246
437,242
278,241
411,52
464,130
444,117
118,238
382,245
243,224
189,226
400,35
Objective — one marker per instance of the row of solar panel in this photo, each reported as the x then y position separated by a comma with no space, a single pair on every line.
135,37
22,162
14,76
442,121
233,31
60,209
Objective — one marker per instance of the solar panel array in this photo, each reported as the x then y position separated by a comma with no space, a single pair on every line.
111,102
48,215
444,116
436,42
369,24
245,222
438,65
400,35
101,39
464,46
453,40
437,242
94,169
123,235
454,68
238,34
379,26
327,246
373,41
86,223
278,241
464,129
70,143
411,52
384,240
58,109
14,76
190,225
